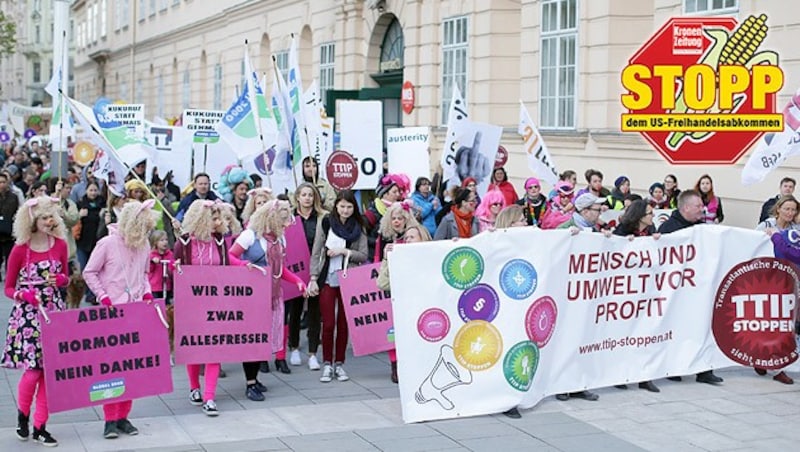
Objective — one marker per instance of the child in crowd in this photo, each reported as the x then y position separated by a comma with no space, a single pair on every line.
162,262
37,267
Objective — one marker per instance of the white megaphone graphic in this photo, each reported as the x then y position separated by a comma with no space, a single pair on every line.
445,375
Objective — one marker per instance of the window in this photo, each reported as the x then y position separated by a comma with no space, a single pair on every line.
176,2
163,5
217,87
187,90
142,10
37,34
92,24
326,70
160,96
139,97
455,45
71,30
123,90
152,8
51,36
117,15
103,15
37,72
126,10
711,6
559,46
50,67
282,61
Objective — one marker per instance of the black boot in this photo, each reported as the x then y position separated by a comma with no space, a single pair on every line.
43,437
394,372
264,367
23,430
282,367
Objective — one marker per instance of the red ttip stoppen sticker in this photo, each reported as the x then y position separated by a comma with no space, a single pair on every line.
342,170
754,313
702,90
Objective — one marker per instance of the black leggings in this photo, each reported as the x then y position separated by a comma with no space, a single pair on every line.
295,312
251,370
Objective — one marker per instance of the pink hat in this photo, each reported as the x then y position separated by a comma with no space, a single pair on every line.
564,188
532,181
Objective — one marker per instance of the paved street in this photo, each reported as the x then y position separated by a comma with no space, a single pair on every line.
301,414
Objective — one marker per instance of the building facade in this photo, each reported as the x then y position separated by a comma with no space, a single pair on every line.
563,58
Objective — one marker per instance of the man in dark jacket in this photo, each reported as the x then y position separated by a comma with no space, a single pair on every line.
688,214
9,203
202,190
787,188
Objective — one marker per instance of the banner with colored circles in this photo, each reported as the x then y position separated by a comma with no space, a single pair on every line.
509,317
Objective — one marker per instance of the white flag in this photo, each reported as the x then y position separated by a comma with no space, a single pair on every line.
295,85
539,159
774,148
61,125
457,118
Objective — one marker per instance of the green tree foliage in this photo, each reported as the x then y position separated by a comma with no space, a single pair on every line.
8,32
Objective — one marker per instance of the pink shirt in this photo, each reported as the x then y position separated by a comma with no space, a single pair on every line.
155,273
17,259
116,271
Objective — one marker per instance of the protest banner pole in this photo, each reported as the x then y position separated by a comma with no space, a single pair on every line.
131,172
256,117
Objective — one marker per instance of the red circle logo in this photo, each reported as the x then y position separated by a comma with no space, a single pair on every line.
407,97
754,308
342,170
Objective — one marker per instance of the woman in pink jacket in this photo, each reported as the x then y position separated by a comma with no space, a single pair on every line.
36,267
117,274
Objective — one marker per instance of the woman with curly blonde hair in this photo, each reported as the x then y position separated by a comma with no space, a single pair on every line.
256,198
203,243
117,274
264,244
36,268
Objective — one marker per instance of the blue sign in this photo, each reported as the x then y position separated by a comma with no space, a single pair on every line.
206,136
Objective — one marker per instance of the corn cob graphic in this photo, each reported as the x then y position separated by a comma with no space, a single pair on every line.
738,48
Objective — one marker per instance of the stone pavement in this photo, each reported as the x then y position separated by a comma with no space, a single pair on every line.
301,414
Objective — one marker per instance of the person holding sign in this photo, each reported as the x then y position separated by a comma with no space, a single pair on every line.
340,243
203,243
117,274
263,244
395,222
309,209
36,268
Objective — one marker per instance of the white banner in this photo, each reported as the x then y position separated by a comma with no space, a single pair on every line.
774,148
173,150
457,117
408,151
509,317
130,115
539,159
201,119
361,127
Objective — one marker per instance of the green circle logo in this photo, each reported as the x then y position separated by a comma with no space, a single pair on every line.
462,268
519,365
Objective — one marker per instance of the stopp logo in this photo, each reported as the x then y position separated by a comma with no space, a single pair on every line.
701,90
754,312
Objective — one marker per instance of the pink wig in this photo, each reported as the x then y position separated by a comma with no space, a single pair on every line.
491,197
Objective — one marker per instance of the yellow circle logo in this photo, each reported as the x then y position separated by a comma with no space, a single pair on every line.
478,345
83,153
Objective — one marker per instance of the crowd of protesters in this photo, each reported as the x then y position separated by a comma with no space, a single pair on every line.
77,225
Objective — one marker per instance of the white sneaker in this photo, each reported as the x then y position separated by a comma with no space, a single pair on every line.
210,408
341,375
195,398
327,374
294,358
313,364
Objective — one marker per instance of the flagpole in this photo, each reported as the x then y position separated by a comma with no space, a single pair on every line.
254,107
114,155
305,129
278,74
61,103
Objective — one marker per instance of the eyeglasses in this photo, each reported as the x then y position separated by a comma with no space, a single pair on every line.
595,209
533,186
499,204
470,185
562,195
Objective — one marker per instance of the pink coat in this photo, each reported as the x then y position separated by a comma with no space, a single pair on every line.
116,271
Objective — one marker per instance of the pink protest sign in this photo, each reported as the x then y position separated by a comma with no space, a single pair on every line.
297,258
100,355
368,310
223,314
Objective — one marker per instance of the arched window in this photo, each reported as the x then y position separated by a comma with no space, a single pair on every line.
392,48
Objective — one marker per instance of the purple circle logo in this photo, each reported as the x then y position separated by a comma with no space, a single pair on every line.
4,137
478,303
433,325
